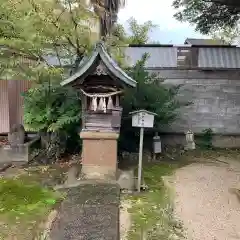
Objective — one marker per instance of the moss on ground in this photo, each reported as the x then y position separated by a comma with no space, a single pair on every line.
24,204
152,211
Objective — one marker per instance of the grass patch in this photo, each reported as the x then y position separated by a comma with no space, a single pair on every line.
48,176
23,205
152,211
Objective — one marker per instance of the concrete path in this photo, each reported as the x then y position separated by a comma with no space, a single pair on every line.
90,212
206,203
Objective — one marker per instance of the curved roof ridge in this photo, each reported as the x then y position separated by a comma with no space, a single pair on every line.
111,65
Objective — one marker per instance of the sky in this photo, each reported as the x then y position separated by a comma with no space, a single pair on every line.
160,12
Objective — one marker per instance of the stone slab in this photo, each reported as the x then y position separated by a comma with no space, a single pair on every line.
4,166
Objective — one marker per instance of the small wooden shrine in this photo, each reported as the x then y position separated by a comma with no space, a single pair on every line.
101,83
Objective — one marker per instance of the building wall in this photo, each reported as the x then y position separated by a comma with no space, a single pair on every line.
22,86
215,96
4,107
11,103
218,141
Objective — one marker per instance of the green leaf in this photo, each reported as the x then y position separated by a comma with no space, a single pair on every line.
50,201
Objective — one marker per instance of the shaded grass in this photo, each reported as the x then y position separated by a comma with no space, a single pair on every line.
24,204
152,211
48,176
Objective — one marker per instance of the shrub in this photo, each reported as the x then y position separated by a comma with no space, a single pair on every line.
205,140
55,112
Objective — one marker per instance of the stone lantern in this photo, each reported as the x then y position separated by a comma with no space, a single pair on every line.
101,83
190,140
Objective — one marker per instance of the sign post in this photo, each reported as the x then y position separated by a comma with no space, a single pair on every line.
140,159
142,119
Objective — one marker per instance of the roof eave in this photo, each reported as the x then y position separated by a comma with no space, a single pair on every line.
82,69
115,70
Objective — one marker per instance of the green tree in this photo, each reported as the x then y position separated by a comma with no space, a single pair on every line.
120,38
150,94
55,112
137,33
228,35
49,108
32,29
209,15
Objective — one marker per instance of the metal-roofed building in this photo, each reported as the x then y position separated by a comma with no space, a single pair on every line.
186,56
159,56
210,75
211,80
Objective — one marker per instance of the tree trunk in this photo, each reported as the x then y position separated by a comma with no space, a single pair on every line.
76,63
53,145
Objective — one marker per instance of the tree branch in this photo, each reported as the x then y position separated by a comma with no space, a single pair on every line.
75,26
229,3
54,24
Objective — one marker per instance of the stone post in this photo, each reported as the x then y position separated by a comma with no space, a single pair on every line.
99,157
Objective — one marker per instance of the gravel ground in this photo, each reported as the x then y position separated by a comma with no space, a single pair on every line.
206,203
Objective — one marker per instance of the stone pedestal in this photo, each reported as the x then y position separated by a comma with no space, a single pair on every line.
99,156
190,146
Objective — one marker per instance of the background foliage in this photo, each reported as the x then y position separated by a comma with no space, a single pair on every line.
55,112
120,38
33,29
50,108
205,140
210,15
152,95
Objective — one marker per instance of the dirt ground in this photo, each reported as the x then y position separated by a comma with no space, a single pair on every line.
206,200
125,219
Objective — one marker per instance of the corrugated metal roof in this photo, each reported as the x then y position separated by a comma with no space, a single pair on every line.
207,42
158,56
219,58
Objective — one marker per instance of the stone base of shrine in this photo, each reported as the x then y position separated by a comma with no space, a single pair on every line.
99,155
